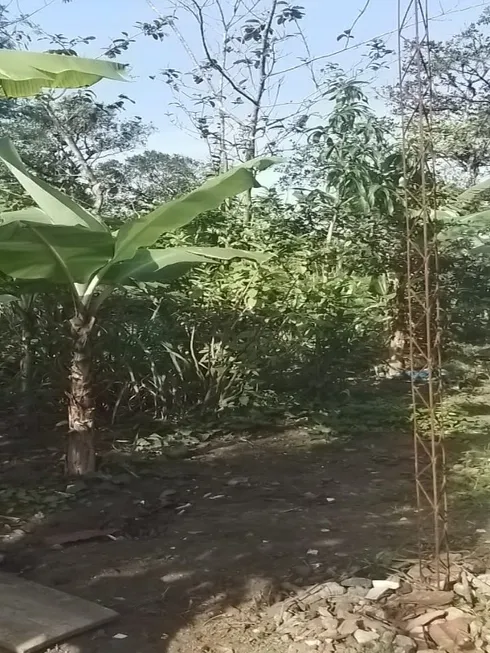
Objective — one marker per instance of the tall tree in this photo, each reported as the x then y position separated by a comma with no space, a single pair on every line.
230,93
460,68
140,181
68,139
347,185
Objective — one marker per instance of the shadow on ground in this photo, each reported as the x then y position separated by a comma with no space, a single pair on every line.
245,522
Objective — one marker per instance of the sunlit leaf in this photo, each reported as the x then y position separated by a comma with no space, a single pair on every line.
57,207
24,74
473,193
165,265
54,253
145,231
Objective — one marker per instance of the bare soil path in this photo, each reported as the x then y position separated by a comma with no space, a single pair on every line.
201,543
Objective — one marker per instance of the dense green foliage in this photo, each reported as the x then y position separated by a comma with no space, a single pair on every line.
233,338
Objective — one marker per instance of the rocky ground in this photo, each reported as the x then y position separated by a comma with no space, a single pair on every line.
403,613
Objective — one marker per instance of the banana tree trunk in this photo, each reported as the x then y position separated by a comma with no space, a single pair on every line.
80,458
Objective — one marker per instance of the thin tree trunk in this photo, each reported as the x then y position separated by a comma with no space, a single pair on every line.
27,364
257,102
396,359
80,458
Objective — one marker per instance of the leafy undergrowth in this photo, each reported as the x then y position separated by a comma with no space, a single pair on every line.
375,408
466,420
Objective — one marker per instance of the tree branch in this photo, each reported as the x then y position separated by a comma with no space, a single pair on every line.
87,171
212,61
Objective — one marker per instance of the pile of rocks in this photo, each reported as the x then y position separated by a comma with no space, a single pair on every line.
400,614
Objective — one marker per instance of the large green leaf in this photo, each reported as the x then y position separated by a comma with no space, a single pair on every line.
5,300
30,214
58,207
145,231
481,249
58,254
482,218
472,193
165,265
24,74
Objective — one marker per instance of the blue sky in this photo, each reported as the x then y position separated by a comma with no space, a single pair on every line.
324,20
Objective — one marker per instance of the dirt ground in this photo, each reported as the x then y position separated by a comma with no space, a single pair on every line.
201,544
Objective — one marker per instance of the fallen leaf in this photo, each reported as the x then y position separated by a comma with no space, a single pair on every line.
239,480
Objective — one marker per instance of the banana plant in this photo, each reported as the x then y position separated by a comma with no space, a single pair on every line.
22,305
60,242
25,74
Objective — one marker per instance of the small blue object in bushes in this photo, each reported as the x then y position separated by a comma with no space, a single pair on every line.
420,376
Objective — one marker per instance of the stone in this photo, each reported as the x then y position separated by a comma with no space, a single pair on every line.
357,592
377,593
463,588
428,598
404,644
348,627
299,647
14,536
312,643
365,583
451,636
482,584
418,634
327,591
424,619
365,637
391,584
456,613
